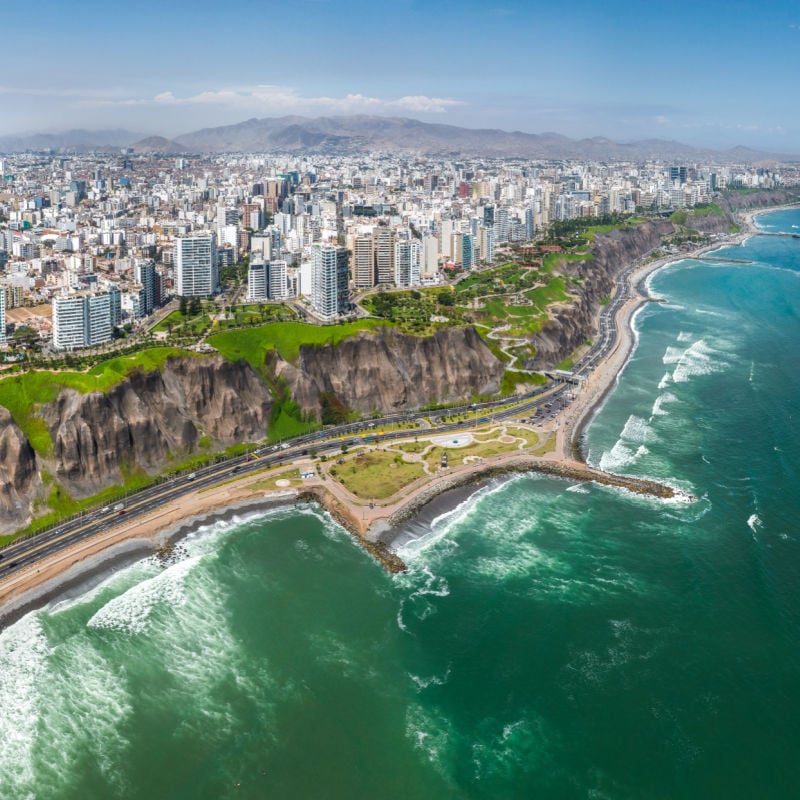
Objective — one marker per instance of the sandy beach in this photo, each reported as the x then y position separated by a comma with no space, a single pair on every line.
139,537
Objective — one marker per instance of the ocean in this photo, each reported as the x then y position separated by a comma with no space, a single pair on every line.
550,639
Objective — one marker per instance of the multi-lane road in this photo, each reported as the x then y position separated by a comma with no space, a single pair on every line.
549,399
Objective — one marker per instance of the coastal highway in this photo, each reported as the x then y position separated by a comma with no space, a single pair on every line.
24,553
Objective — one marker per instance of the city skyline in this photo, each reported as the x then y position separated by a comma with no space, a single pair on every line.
710,75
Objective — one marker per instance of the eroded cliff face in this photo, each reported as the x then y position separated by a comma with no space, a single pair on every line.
575,322
387,371
151,417
736,201
709,223
20,483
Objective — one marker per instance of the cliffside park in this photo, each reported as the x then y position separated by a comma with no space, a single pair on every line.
225,405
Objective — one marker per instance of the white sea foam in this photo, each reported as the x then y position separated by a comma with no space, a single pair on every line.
662,400
450,521
683,336
24,656
754,523
418,603
517,561
618,457
433,680
699,359
428,734
578,488
636,429
709,313
664,382
87,706
130,612
522,744
673,355
630,445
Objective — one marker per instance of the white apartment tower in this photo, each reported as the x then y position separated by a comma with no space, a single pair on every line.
81,320
363,261
69,324
278,280
384,255
257,279
429,261
486,244
196,271
406,262
329,280
2,316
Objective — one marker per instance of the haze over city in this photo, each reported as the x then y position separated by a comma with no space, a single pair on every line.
711,74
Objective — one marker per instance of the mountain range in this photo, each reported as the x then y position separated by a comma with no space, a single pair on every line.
360,133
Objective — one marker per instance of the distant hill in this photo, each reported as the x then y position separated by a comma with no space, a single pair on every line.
81,140
397,134
356,134
156,144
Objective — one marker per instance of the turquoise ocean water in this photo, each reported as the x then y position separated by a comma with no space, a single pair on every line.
550,640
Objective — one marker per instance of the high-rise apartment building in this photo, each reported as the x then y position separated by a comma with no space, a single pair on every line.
384,255
330,293
363,261
98,319
467,251
2,317
502,226
144,272
429,258
267,280
196,270
69,322
278,285
82,320
486,244
457,248
257,279
406,262
227,216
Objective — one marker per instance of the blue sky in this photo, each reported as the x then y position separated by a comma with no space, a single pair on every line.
708,73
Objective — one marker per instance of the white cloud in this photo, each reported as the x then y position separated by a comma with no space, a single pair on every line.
271,97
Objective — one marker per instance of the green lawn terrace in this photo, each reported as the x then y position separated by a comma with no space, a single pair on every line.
208,317
24,393
286,338
515,296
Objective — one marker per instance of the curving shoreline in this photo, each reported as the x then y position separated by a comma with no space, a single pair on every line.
374,528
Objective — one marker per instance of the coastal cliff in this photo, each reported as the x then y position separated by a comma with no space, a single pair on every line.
20,483
387,371
573,323
150,418
739,201
710,223
154,418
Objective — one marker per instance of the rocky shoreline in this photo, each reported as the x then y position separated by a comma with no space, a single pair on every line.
378,537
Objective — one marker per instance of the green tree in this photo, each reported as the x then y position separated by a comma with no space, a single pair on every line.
446,298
